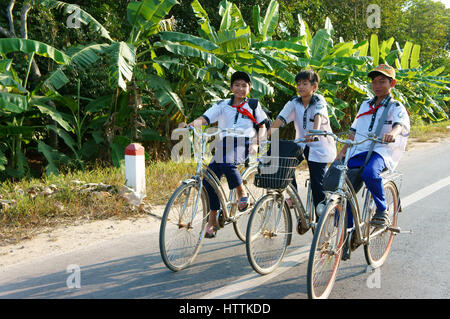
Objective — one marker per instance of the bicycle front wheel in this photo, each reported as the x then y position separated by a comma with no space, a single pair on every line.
326,251
253,193
269,233
380,241
182,226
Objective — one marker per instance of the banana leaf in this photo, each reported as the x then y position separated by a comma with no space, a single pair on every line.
320,44
281,45
192,40
82,15
257,24
9,45
374,49
231,16
15,103
53,157
53,113
404,60
145,16
270,21
203,20
185,50
121,69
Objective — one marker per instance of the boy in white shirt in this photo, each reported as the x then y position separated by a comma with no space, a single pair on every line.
234,113
309,111
395,131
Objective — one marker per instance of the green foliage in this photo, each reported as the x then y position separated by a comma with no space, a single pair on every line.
108,84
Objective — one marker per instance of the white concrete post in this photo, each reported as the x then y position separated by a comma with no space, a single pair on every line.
135,168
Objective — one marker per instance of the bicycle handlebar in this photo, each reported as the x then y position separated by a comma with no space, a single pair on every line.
236,132
370,137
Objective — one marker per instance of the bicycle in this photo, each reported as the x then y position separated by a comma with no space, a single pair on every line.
269,229
183,223
331,232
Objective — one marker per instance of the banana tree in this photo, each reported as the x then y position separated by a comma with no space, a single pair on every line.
217,53
127,59
19,106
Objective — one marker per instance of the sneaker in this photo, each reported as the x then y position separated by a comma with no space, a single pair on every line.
380,219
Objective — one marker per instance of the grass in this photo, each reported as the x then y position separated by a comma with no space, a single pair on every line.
422,132
29,208
26,210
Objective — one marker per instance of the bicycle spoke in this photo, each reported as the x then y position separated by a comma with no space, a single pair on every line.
182,228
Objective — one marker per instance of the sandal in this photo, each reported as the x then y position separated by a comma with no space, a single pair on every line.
380,219
211,234
243,200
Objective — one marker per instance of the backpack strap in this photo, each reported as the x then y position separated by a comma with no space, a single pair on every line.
253,103
378,130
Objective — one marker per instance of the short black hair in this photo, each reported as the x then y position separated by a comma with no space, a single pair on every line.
310,75
240,75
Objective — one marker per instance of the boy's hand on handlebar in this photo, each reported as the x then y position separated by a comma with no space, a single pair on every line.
311,138
182,125
388,138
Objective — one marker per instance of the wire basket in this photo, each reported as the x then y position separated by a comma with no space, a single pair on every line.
275,172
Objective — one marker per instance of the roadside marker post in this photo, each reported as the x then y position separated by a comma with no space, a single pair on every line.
135,168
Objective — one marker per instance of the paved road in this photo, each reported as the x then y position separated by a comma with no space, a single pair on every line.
131,267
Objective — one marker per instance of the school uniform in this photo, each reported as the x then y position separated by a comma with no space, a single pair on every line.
319,153
384,156
230,151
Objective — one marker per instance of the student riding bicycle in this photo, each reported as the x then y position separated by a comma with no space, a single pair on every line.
395,131
230,151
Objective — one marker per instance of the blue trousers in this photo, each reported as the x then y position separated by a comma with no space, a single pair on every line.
371,177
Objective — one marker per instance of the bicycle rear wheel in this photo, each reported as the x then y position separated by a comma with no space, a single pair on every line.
253,193
181,232
326,251
380,241
269,233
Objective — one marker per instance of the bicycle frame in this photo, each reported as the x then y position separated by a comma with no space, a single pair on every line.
305,217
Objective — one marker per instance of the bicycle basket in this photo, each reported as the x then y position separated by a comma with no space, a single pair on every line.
331,178
275,172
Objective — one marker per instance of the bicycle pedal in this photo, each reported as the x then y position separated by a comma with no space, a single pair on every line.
393,229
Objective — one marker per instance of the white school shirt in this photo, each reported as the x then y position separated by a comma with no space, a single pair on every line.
390,152
228,117
322,151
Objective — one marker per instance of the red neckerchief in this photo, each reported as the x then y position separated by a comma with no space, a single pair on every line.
371,111
243,111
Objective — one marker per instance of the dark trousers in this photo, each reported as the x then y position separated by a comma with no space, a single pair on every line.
233,176
316,174
230,170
